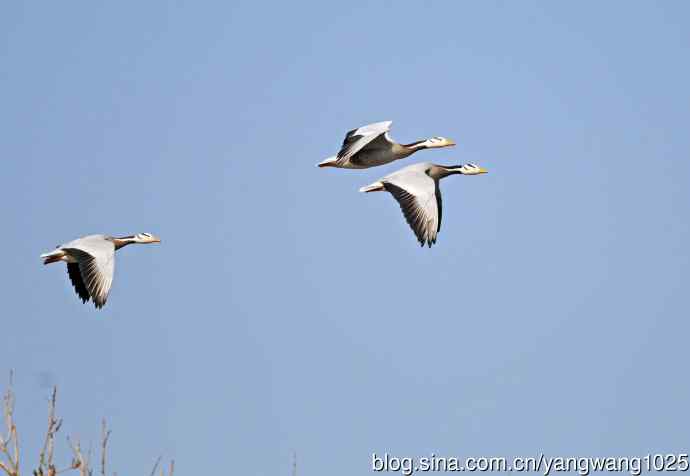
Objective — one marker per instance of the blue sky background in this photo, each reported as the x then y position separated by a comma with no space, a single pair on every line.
286,311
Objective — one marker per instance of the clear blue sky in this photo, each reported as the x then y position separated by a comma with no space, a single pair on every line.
286,311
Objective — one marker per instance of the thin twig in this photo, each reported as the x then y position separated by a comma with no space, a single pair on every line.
3,448
12,464
51,445
16,448
88,459
10,451
53,427
79,462
155,466
105,434
4,467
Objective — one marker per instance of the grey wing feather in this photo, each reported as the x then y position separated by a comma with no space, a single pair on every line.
417,195
77,281
357,139
95,257
439,205
377,152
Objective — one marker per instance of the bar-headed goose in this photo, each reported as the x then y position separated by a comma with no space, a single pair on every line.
371,145
416,189
91,263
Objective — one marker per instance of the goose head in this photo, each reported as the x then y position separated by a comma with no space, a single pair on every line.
140,238
438,142
471,169
441,171
145,238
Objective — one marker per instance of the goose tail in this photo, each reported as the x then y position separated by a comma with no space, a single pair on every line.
374,187
329,162
52,257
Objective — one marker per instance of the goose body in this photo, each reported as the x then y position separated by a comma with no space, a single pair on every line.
91,263
370,146
416,188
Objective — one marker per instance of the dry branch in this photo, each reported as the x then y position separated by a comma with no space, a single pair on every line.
45,461
155,466
11,465
9,445
105,434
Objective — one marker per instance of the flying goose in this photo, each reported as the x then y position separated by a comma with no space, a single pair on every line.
91,263
416,189
371,145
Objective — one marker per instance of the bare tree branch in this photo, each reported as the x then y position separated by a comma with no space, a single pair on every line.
11,466
16,446
155,466
78,461
10,448
5,468
46,457
105,434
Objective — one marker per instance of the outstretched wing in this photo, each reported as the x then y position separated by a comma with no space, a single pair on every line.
96,261
357,139
420,203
